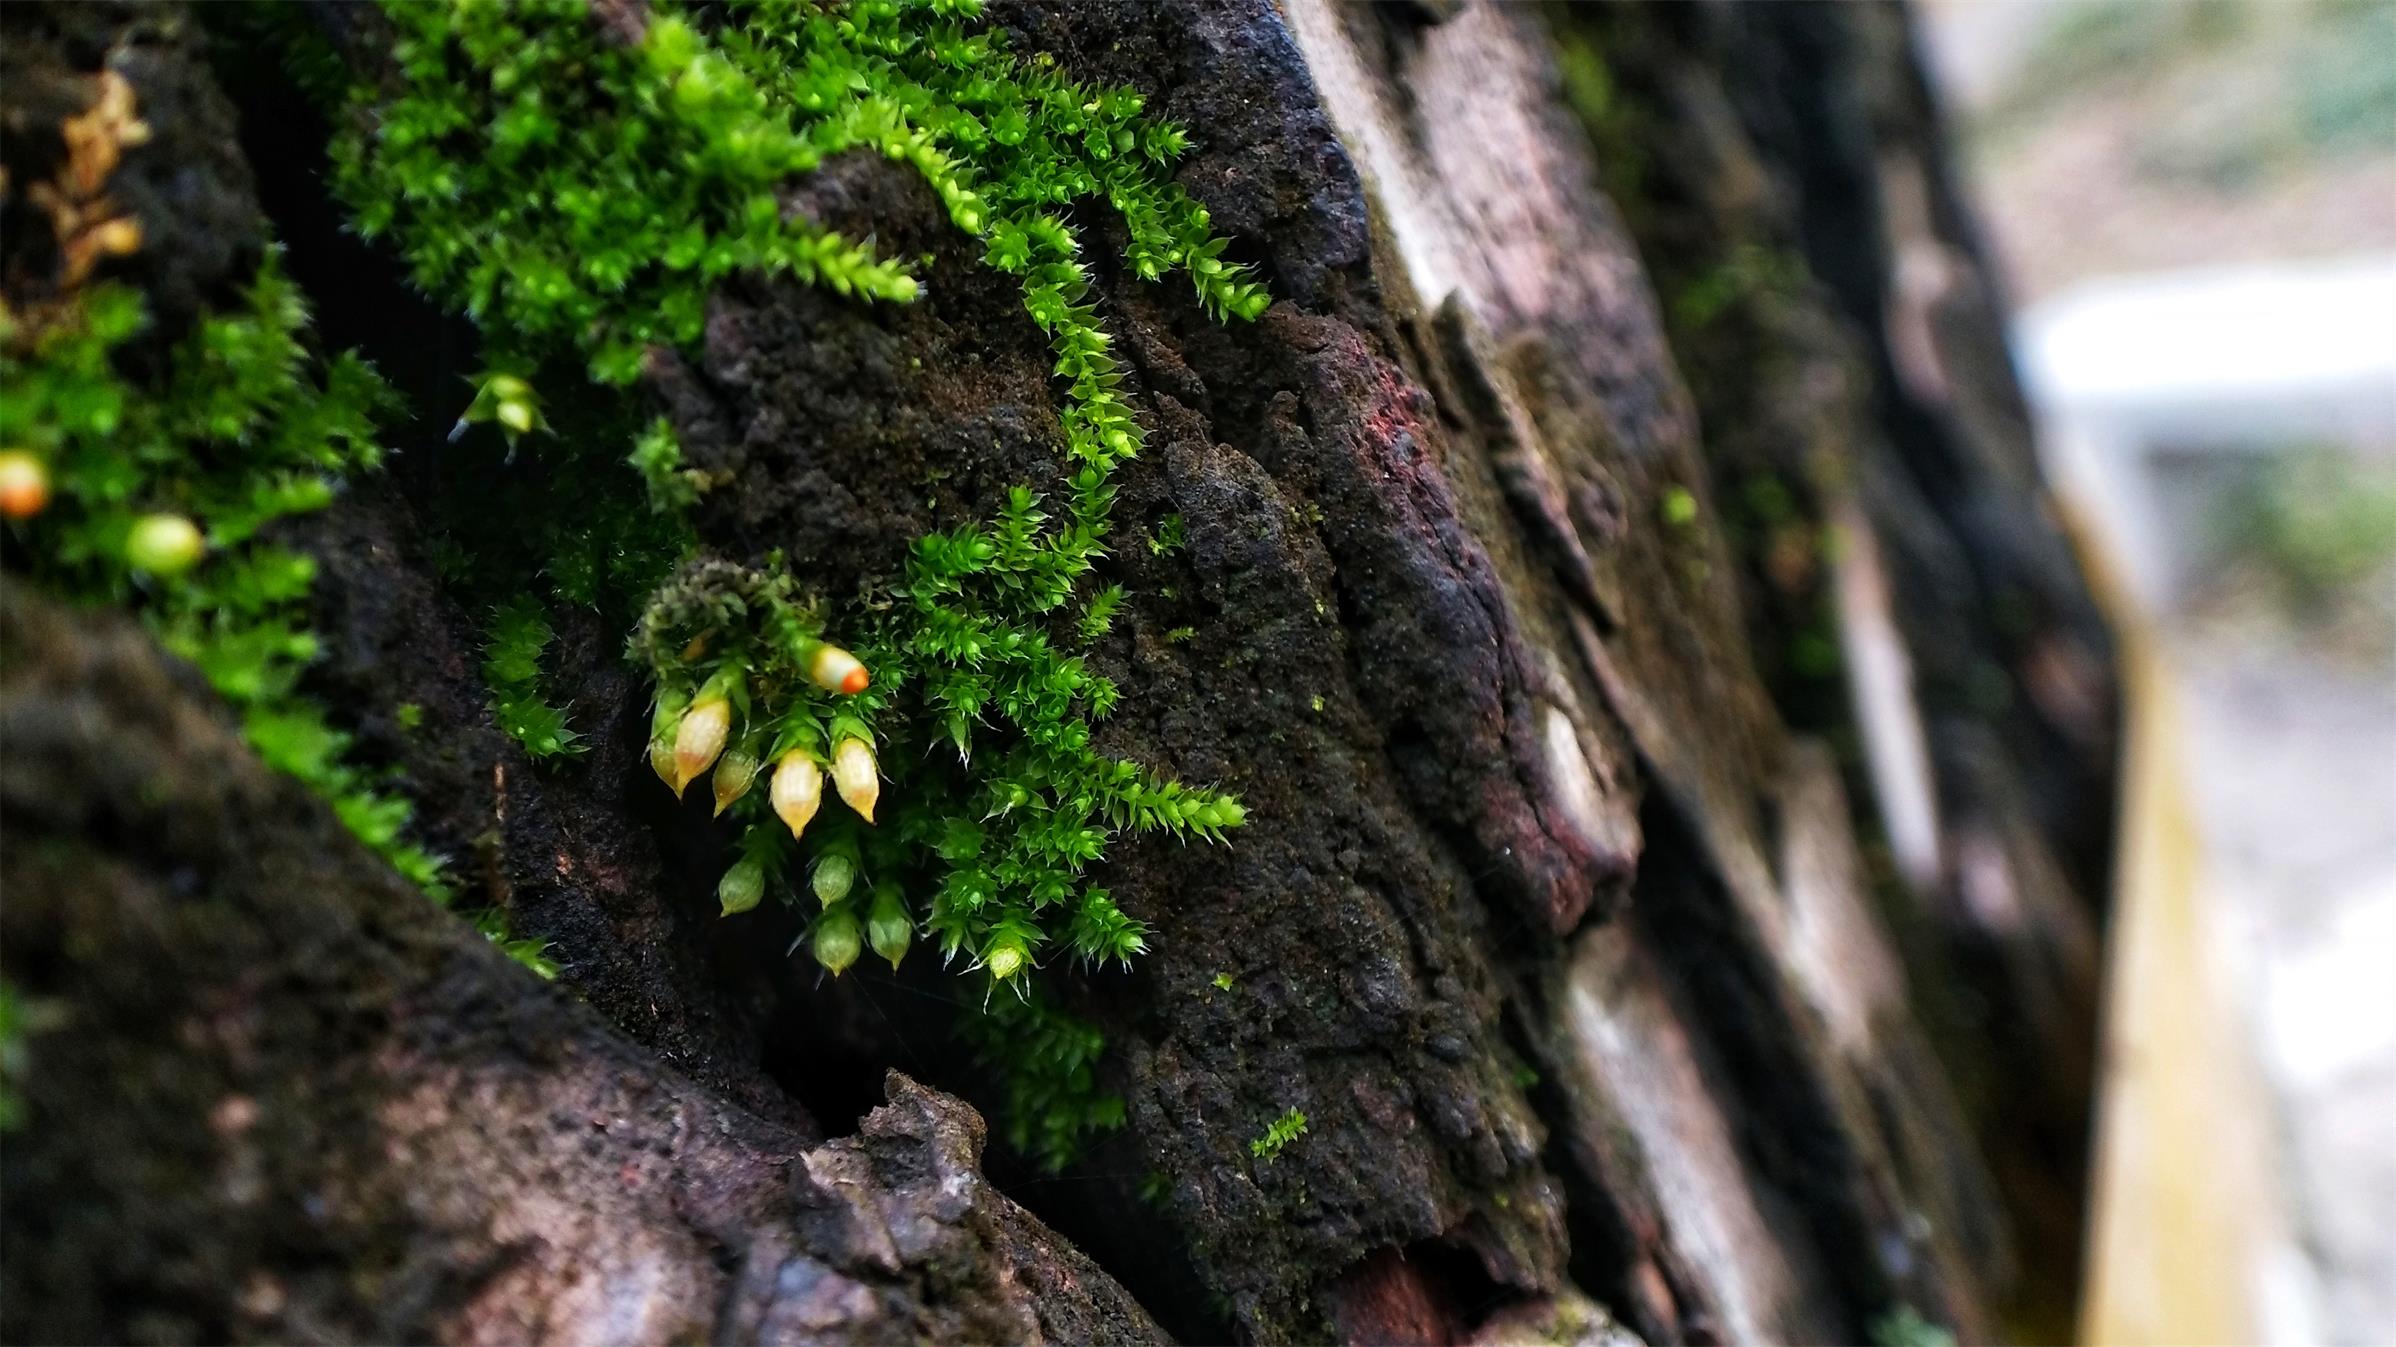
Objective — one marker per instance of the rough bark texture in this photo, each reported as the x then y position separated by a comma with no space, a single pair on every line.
302,1104
1551,913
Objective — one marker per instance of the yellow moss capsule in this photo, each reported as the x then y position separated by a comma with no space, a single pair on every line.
701,737
857,776
797,791
1006,959
661,760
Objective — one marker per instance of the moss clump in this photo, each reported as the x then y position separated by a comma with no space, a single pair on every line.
1046,1061
578,195
606,187
520,631
1278,1134
162,488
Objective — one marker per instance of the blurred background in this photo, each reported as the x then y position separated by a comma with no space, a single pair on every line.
2195,204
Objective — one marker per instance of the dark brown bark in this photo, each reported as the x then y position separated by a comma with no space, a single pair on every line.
1551,912
287,1099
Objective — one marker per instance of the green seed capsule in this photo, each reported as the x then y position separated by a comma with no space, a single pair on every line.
164,544
1006,959
836,943
742,886
733,774
834,875
887,926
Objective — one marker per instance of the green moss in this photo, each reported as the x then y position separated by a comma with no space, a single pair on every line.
519,632
1747,274
1168,536
657,457
1278,1134
238,429
1905,1326
1611,121
1678,506
579,196
1047,1061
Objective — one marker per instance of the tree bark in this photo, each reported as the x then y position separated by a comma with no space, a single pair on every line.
1638,977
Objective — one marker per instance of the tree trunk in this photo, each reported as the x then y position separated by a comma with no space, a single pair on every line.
1674,739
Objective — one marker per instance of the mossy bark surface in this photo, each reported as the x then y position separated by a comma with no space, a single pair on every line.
1559,910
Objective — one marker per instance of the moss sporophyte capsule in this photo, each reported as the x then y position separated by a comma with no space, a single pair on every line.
699,739
836,670
857,777
508,400
24,484
798,790
734,773
742,887
835,874
664,722
164,544
836,942
887,926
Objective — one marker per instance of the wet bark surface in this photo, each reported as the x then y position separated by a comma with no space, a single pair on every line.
1551,914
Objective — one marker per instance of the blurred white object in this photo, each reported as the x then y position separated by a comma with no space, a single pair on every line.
2228,359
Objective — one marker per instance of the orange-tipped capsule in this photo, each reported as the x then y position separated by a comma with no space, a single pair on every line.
798,790
836,670
734,773
701,737
24,484
856,776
